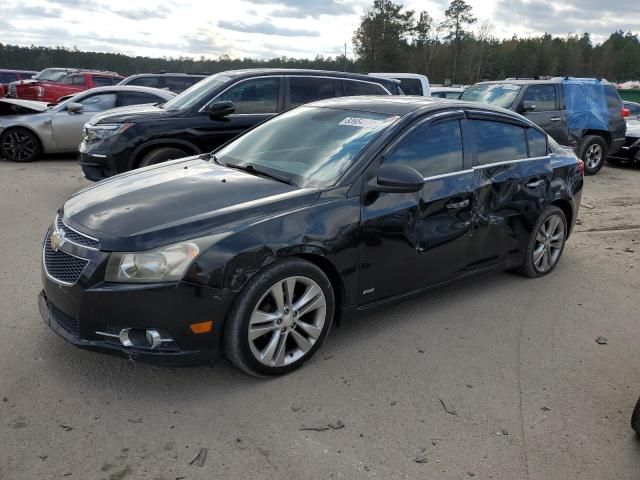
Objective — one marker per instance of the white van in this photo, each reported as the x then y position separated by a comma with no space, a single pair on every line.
411,83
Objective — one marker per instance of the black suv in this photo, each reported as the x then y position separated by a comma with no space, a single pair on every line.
209,114
584,114
174,82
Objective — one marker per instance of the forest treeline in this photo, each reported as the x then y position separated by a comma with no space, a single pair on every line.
391,38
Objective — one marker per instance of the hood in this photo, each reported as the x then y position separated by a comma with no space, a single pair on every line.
14,106
129,114
176,201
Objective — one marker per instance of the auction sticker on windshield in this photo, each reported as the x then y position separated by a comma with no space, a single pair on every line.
362,122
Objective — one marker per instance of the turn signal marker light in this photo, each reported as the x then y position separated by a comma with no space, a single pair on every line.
202,327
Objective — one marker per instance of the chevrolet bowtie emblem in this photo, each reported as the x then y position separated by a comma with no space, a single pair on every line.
56,240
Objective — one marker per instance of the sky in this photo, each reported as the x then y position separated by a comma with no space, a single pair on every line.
272,28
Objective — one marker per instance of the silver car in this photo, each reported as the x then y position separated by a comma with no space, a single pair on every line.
28,130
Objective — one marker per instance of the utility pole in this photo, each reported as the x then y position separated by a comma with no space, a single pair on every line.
345,56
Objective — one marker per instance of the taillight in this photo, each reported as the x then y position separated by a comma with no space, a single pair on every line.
625,112
581,167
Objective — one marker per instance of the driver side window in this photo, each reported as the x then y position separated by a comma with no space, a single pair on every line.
99,102
259,95
432,149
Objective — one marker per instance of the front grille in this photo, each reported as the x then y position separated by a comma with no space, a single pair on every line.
75,237
61,266
67,322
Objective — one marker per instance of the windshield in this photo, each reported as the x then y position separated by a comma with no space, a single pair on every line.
198,93
51,75
309,146
499,94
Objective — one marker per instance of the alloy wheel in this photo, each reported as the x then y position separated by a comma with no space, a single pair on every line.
549,243
287,321
18,146
593,156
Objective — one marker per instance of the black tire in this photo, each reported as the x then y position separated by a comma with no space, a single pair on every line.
529,268
20,145
160,155
593,151
635,418
236,343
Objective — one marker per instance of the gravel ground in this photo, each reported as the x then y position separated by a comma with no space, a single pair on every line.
498,377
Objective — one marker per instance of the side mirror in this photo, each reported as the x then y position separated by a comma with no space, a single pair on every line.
395,178
528,106
74,107
221,109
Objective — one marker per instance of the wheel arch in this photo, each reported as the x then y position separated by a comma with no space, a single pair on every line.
606,136
29,129
567,209
145,148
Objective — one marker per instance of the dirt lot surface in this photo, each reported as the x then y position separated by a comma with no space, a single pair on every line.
498,377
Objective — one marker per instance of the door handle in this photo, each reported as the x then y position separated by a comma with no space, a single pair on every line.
457,205
555,119
535,184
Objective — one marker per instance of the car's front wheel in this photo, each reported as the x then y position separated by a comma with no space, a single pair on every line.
20,145
159,155
280,318
594,153
546,243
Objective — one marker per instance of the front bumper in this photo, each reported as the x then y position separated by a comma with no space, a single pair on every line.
95,167
81,315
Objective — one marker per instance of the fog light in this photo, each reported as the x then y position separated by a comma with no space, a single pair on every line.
202,327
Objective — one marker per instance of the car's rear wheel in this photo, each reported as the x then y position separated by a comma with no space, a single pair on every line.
635,418
546,243
20,145
280,318
593,153
160,155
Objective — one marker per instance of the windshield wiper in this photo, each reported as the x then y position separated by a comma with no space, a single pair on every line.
255,171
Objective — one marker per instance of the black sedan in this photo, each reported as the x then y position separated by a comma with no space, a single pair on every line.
324,211
630,152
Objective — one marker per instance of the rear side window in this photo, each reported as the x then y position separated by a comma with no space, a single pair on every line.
259,95
155,82
613,99
105,81
352,88
411,86
137,98
537,143
309,89
177,84
499,142
74,80
431,150
99,102
544,96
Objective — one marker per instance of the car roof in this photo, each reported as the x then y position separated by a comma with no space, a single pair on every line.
168,74
251,72
8,70
529,81
402,105
132,88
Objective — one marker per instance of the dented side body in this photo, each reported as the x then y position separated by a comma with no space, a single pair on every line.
374,247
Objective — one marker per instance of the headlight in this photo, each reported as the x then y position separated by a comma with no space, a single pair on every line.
166,264
97,133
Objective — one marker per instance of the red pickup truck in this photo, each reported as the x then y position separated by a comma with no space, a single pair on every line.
73,82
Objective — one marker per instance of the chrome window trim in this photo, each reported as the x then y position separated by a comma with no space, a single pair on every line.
279,77
444,175
55,227
510,161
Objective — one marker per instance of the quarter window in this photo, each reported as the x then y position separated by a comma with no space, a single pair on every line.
309,89
431,150
411,86
537,143
254,96
544,96
353,88
499,142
